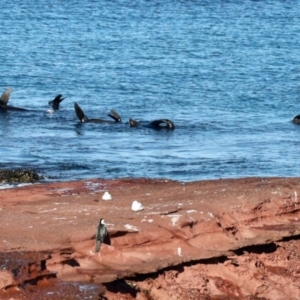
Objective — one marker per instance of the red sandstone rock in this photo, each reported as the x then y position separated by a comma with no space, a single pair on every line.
222,239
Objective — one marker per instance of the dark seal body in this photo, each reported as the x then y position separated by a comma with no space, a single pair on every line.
156,124
84,119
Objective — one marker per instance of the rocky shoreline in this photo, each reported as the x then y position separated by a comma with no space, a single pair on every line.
214,239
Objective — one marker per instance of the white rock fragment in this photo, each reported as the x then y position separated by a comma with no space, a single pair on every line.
174,219
136,206
131,227
106,196
179,251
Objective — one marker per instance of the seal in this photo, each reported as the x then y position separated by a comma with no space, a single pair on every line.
296,120
84,119
101,234
156,124
4,100
56,101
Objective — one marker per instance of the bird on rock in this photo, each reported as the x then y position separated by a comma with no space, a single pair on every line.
100,234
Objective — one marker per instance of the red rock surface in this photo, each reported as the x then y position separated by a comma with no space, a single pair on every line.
221,239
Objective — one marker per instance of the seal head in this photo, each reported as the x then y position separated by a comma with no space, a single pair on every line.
296,120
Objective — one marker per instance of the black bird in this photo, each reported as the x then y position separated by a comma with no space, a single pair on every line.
100,234
56,101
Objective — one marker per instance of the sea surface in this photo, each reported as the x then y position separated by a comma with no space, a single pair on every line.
227,73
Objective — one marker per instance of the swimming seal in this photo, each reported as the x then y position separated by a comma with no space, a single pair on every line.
84,119
56,101
4,100
296,120
156,124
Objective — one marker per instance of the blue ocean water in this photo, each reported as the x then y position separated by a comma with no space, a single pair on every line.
226,72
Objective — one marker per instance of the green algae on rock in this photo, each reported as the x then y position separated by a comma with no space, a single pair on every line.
19,176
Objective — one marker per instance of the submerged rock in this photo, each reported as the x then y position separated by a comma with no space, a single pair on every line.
19,176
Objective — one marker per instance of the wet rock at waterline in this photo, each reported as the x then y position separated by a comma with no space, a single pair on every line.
19,176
